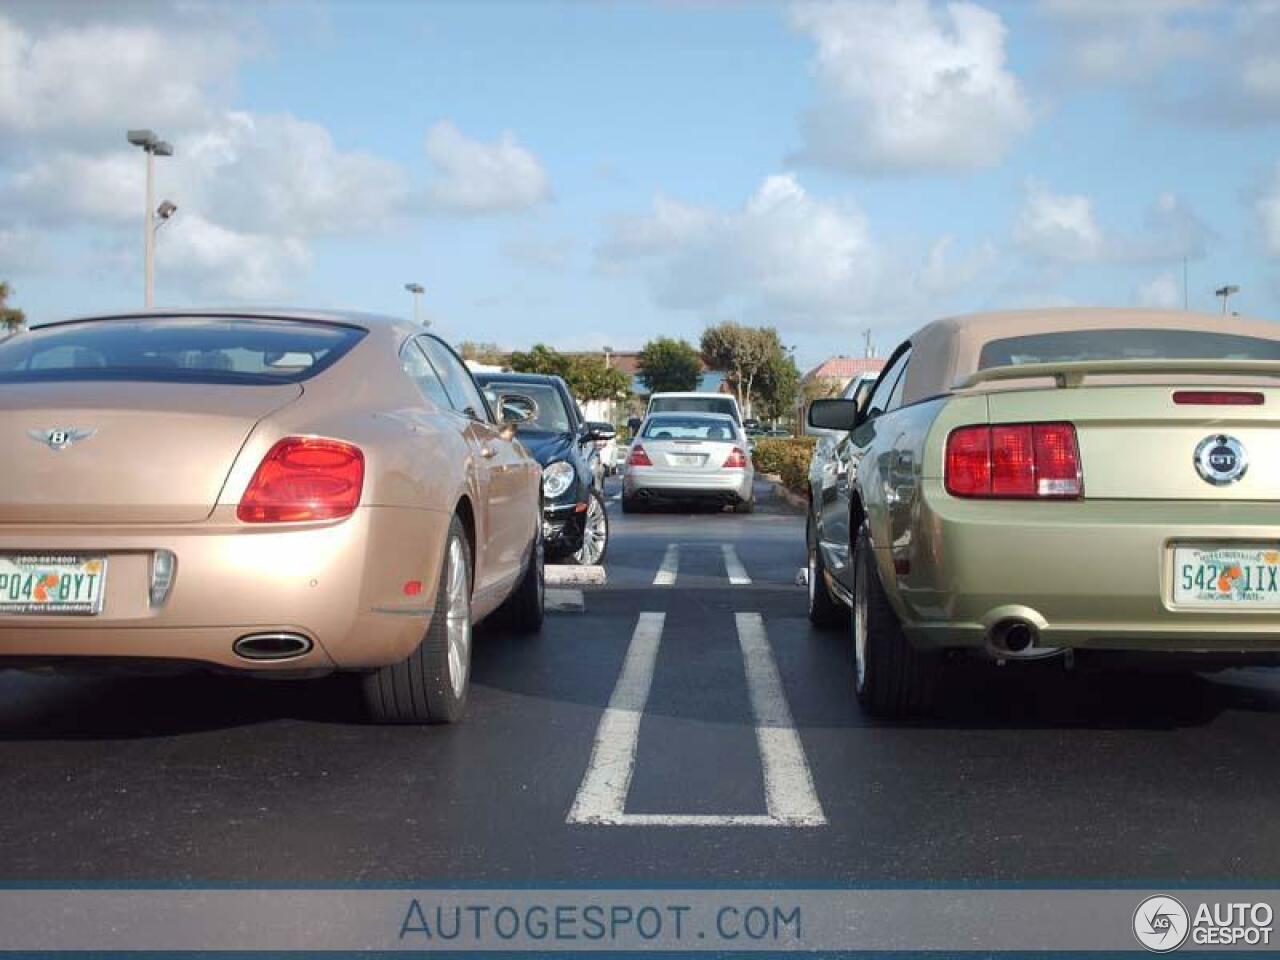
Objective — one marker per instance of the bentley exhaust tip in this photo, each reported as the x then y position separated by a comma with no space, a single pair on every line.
1014,636
271,646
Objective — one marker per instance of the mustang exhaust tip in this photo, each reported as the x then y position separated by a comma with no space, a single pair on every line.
1014,636
271,646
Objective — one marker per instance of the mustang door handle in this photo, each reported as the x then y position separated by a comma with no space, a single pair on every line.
488,452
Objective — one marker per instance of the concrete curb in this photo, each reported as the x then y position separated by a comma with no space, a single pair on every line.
558,574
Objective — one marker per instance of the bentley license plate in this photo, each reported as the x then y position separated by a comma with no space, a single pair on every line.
51,584
1246,576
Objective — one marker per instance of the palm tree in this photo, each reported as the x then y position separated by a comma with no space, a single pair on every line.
11,318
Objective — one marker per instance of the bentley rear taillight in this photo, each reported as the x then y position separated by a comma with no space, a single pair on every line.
304,478
1014,461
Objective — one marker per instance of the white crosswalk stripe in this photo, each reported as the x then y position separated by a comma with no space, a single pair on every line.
733,566
670,566
790,797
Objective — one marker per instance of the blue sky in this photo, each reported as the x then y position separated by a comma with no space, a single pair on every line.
598,173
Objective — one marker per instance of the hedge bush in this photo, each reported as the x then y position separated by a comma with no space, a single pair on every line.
785,457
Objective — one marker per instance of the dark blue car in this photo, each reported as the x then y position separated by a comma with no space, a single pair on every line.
575,523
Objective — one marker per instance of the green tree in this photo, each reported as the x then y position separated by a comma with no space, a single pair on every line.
667,364
590,379
777,383
488,353
586,374
541,359
741,352
11,318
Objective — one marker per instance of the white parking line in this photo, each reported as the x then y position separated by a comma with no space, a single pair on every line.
790,797
788,783
737,572
602,797
666,575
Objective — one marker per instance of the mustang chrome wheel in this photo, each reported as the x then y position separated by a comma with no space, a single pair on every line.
860,620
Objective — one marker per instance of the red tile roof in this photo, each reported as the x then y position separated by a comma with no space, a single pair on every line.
845,368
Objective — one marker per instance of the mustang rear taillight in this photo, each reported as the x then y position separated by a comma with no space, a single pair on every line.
304,478
1218,398
737,460
1014,461
638,458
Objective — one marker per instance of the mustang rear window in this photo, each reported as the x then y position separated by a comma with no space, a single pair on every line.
220,350
1123,344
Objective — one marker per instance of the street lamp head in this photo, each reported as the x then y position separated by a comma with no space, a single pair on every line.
166,210
142,138
414,287
163,148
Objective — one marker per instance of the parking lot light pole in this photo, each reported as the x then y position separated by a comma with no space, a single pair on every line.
153,147
417,290
1225,293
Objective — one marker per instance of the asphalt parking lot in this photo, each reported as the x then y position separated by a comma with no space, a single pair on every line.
687,726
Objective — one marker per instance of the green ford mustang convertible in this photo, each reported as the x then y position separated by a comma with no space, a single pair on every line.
1032,484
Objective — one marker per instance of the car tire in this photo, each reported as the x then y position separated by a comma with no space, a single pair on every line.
630,504
595,533
892,678
525,609
824,610
745,506
431,684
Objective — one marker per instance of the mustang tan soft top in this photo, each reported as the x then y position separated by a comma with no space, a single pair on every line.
947,350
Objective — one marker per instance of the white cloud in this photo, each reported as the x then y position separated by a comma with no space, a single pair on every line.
1213,61
947,269
784,256
909,86
253,192
218,261
88,80
1106,40
472,177
1064,229
1164,290
1059,227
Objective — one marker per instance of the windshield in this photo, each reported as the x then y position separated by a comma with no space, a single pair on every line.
690,428
707,404
1135,344
180,350
552,416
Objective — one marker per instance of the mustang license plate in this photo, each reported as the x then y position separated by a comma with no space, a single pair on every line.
1243,576
51,583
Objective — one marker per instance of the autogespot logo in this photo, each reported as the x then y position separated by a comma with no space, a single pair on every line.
1161,924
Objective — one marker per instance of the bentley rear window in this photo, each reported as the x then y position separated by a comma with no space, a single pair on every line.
177,350
1126,344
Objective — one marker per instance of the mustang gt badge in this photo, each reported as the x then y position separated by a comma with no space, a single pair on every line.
59,438
1221,460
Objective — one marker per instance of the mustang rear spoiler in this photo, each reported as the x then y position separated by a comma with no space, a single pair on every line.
1073,373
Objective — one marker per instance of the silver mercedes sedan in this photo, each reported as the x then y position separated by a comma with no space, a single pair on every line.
688,456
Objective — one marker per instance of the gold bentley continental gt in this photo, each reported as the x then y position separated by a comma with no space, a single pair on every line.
1055,482
283,493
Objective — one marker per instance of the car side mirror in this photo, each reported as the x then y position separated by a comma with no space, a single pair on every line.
516,408
841,415
598,430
